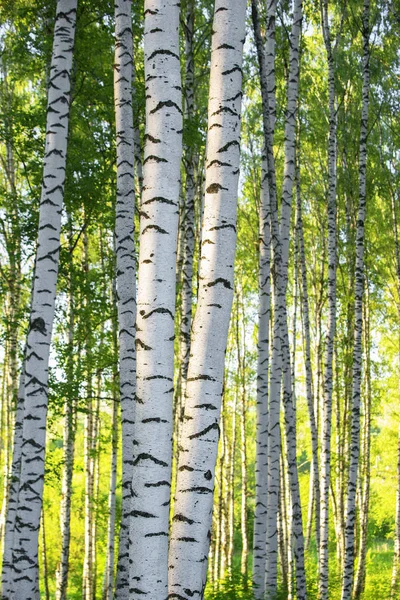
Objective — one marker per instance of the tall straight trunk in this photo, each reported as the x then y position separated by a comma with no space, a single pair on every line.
25,546
13,492
125,271
44,560
274,438
156,302
108,581
315,493
243,442
264,317
395,583
69,443
187,220
89,458
359,583
348,572
330,336
231,495
200,429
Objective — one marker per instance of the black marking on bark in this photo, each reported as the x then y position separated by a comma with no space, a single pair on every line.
206,406
154,420
228,145
214,188
165,52
204,377
157,159
229,71
156,534
182,519
159,199
205,431
168,104
142,345
219,163
186,468
225,46
163,311
198,490
39,325
227,226
224,282
145,456
158,484
141,513
156,228
208,475
187,539
152,139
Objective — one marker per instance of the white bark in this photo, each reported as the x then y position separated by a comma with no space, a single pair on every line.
69,446
13,492
260,515
126,269
190,537
25,548
330,337
348,571
156,302
315,492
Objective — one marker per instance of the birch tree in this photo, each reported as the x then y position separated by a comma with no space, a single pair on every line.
126,268
330,338
260,515
348,570
191,526
25,542
156,301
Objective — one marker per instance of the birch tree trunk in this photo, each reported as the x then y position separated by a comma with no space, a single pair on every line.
156,302
359,583
260,515
108,581
69,445
307,352
126,271
348,572
330,337
190,537
25,546
395,583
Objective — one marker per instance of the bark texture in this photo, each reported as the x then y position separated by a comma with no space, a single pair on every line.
126,269
191,527
27,524
156,302
349,549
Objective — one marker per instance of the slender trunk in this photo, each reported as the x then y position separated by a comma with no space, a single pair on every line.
68,445
187,225
44,560
243,445
125,271
156,302
348,572
330,337
314,487
395,584
264,317
231,501
25,545
359,583
200,430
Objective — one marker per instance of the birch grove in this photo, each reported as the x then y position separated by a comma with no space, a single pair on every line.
199,324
